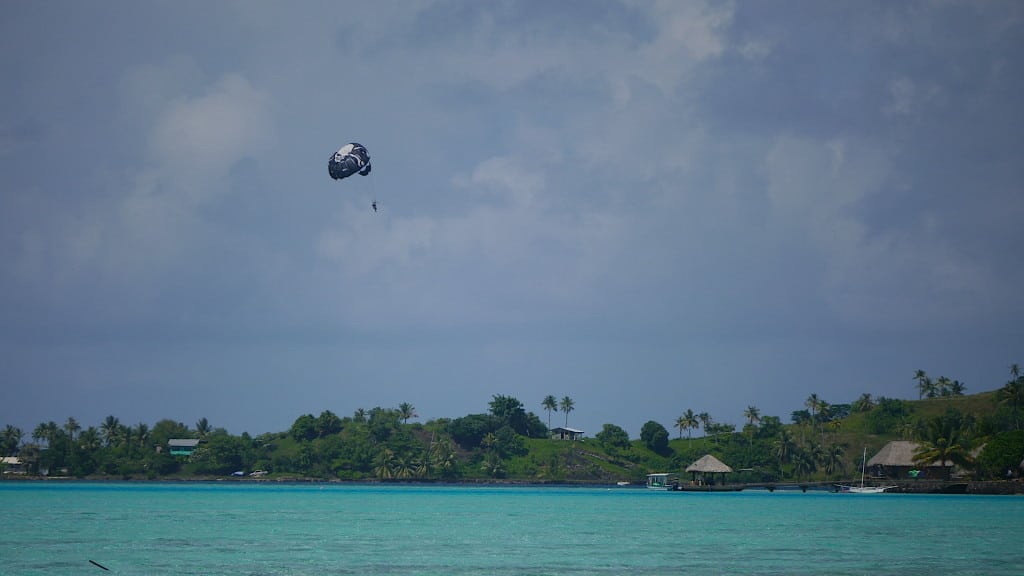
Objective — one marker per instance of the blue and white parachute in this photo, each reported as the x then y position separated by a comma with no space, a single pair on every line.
348,160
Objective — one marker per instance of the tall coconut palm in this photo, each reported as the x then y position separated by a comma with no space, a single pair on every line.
813,403
550,403
705,422
406,411
691,424
924,383
566,405
752,414
110,429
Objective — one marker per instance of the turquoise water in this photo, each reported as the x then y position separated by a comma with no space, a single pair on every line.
263,529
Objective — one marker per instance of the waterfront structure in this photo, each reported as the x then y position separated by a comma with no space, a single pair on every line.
703,470
896,461
182,446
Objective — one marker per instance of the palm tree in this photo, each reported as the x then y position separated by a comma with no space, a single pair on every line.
110,429
383,465
835,426
834,459
691,424
681,424
89,440
71,427
942,444
550,403
126,433
203,428
824,414
864,403
406,411
705,422
784,446
489,442
813,403
404,466
444,456
923,383
142,435
493,466
752,414
10,440
46,432
906,429
1012,394
801,418
803,464
566,405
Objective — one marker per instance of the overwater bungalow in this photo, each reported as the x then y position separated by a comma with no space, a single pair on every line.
703,472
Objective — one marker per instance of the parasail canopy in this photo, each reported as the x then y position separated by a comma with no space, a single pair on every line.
348,160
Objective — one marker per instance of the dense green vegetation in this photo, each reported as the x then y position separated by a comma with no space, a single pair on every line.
982,433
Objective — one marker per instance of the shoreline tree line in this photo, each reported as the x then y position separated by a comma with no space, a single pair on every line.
983,434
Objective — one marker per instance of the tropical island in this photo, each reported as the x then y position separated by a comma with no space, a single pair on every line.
977,437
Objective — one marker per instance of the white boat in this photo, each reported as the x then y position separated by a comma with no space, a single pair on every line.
663,481
862,489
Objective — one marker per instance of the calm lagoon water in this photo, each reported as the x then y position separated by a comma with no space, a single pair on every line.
256,529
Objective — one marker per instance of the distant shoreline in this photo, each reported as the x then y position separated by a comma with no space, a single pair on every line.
977,488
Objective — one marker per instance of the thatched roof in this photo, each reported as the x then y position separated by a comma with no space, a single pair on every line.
708,463
898,453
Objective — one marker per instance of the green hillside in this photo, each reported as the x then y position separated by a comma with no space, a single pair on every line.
821,443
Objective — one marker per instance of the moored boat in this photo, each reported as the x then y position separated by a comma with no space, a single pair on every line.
663,481
862,489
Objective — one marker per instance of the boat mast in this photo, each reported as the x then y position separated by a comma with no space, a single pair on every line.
863,464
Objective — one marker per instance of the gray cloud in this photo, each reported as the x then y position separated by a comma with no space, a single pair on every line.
646,206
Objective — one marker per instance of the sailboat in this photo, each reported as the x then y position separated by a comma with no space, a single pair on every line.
862,489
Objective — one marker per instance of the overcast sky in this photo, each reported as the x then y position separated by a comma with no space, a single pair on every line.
645,206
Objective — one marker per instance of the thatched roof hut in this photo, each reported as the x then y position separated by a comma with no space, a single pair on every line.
898,453
704,470
896,460
708,464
